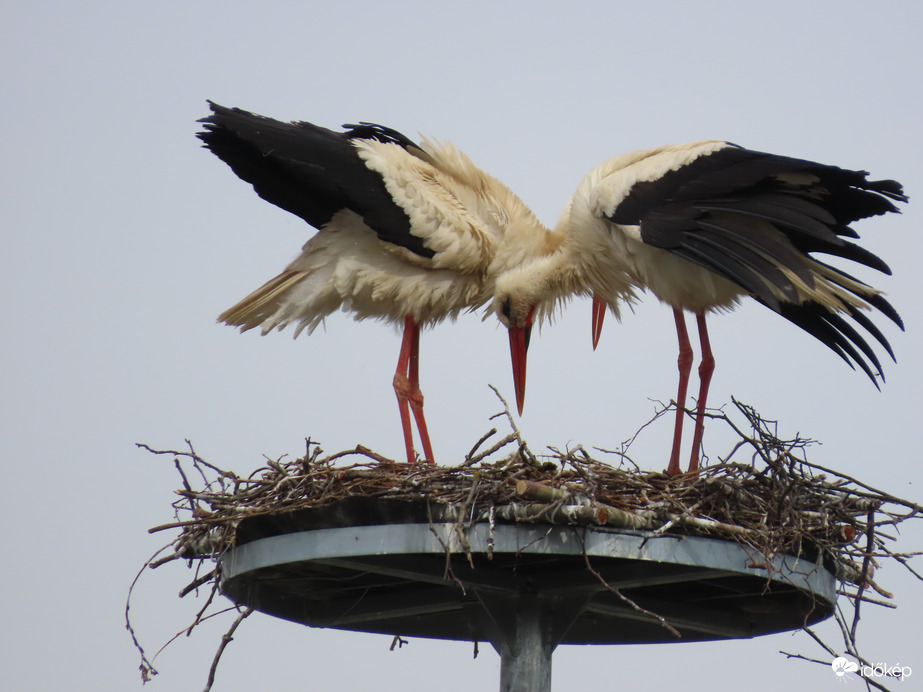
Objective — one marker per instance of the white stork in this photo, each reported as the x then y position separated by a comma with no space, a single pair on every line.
702,225
411,234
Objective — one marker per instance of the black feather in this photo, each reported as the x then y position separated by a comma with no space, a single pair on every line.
876,300
833,331
379,133
721,250
870,327
731,269
745,214
739,231
309,171
883,306
792,213
849,251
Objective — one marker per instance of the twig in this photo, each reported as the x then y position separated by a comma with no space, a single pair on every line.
226,639
471,461
146,667
644,611
488,434
523,448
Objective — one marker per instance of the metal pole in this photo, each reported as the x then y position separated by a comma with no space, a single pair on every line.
525,653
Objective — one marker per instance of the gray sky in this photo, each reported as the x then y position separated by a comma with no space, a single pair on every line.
122,240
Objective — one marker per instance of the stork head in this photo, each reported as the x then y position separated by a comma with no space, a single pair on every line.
515,308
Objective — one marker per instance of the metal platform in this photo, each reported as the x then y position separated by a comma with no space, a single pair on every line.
525,588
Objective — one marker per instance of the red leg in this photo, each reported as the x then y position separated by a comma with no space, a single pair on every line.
706,368
684,362
416,396
402,384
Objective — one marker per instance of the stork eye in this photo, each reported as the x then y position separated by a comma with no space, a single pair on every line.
506,308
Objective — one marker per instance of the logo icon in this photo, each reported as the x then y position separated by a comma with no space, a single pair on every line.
841,666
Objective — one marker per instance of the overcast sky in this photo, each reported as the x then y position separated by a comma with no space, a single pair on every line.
122,240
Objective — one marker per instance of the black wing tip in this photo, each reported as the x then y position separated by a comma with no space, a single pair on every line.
222,118
832,330
217,111
225,118
888,188
884,307
360,130
869,326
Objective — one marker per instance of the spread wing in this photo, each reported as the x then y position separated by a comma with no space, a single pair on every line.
758,220
311,171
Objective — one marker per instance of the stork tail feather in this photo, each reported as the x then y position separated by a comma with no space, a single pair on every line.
260,305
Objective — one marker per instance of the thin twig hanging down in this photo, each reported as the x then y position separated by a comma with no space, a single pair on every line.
775,502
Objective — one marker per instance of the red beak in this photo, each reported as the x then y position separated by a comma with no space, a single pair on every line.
599,313
519,344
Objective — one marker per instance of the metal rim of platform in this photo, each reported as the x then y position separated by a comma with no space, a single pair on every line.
396,539
395,551
526,587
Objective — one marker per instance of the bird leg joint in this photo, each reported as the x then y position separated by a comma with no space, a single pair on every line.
706,367
402,387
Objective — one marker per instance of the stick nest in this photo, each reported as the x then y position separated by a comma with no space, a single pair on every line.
774,502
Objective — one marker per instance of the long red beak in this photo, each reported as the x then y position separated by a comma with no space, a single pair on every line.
599,314
519,344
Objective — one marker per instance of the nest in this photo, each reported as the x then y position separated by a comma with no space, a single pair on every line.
775,502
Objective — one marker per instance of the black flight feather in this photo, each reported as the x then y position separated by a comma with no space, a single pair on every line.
777,249
309,171
827,327
705,211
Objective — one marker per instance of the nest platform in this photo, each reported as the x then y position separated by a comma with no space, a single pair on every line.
410,569
528,552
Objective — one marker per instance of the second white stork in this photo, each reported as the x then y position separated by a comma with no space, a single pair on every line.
704,224
408,233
